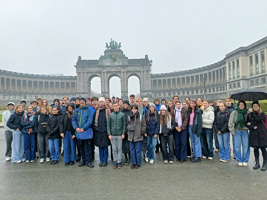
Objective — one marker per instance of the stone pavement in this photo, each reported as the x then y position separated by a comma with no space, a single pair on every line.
205,180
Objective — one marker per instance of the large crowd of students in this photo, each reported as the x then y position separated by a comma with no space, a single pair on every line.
135,129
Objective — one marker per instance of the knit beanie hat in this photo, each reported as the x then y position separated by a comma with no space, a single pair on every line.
255,102
163,107
152,105
145,99
126,101
101,99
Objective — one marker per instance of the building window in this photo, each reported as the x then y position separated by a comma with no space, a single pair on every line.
229,70
262,62
257,82
187,92
230,86
192,91
257,63
251,65
183,92
233,65
201,91
196,91
238,84
263,81
210,90
234,86
237,69
251,83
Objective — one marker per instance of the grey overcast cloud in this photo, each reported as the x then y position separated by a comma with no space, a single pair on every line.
46,37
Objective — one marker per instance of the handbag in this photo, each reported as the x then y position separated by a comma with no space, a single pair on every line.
86,135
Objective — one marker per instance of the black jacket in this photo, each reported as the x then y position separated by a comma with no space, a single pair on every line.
63,124
152,127
221,121
41,123
14,121
53,126
257,137
197,123
100,131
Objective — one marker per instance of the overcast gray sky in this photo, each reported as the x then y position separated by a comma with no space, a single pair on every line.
46,37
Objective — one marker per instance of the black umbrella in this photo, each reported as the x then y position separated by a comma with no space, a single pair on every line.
249,94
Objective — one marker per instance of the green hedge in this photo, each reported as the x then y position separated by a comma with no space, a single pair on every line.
0,117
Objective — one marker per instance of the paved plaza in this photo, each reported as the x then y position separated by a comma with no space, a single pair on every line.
205,180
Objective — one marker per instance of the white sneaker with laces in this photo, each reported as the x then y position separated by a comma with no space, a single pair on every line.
245,164
8,159
19,161
47,160
146,159
224,161
41,160
221,160
23,160
151,161
204,157
240,164
32,161
210,158
27,161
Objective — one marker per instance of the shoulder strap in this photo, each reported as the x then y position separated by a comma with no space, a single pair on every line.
38,118
140,118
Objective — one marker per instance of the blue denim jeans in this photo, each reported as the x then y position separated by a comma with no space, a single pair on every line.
85,148
241,137
54,148
181,144
167,143
223,140
207,142
195,142
17,146
29,146
103,154
151,145
135,151
69,147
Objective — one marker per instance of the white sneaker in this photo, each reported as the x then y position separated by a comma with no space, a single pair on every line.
47,160
221,160
23,160
8,159
18,162
165,161
146,159
41,160
240,164
204,157
224,161
151,161
210,158
245,164
27,161
32,161
170,162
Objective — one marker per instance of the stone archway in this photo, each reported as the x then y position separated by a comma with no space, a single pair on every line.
114,86
134,85
89,85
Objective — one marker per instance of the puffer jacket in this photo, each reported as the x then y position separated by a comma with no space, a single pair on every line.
14,121
82,118
257,137
41,123
140,127
208,117
53,126
29,124
116,124
152,127
63,124
221,122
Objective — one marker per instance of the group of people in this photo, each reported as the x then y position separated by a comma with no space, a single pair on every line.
134,128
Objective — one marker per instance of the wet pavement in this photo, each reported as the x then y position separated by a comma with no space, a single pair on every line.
205,180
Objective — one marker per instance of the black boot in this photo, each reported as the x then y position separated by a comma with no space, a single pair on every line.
257,164
264,166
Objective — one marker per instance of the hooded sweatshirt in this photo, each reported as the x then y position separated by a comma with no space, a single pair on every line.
6,116
208,117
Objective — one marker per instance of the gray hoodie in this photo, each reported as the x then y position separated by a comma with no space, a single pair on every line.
6,116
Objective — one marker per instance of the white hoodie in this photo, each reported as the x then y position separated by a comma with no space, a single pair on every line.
208,117
6,116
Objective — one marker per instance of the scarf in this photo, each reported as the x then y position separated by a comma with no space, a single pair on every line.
178,117
28,116
169,121
241,115
98,111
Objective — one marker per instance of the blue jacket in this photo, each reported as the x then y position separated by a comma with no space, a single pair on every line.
158,107
28,125
93,109
82,118
197,123
152,128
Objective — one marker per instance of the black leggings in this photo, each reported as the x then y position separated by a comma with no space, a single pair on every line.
257,153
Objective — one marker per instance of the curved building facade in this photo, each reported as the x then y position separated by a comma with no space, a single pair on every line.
244,67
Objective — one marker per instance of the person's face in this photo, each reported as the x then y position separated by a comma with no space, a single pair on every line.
29,109
228,102
39,102
170,104
116,107
185,105
70,109
120,102
20,109
94,102
77,101
157,102
132,99
256,107
206,104
82,104
66,100
45,103
54,111
163,112
60,102
10,107
43,111
125,105
152,109
134,110
222,107
187,99
34,105
89,103
163,102
175,99
145,103
178,105
139,103
101,103
198,101
110,105
73,102
107,101
56,103
192,104
113,99
218,103
211,103
23,104
241,106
